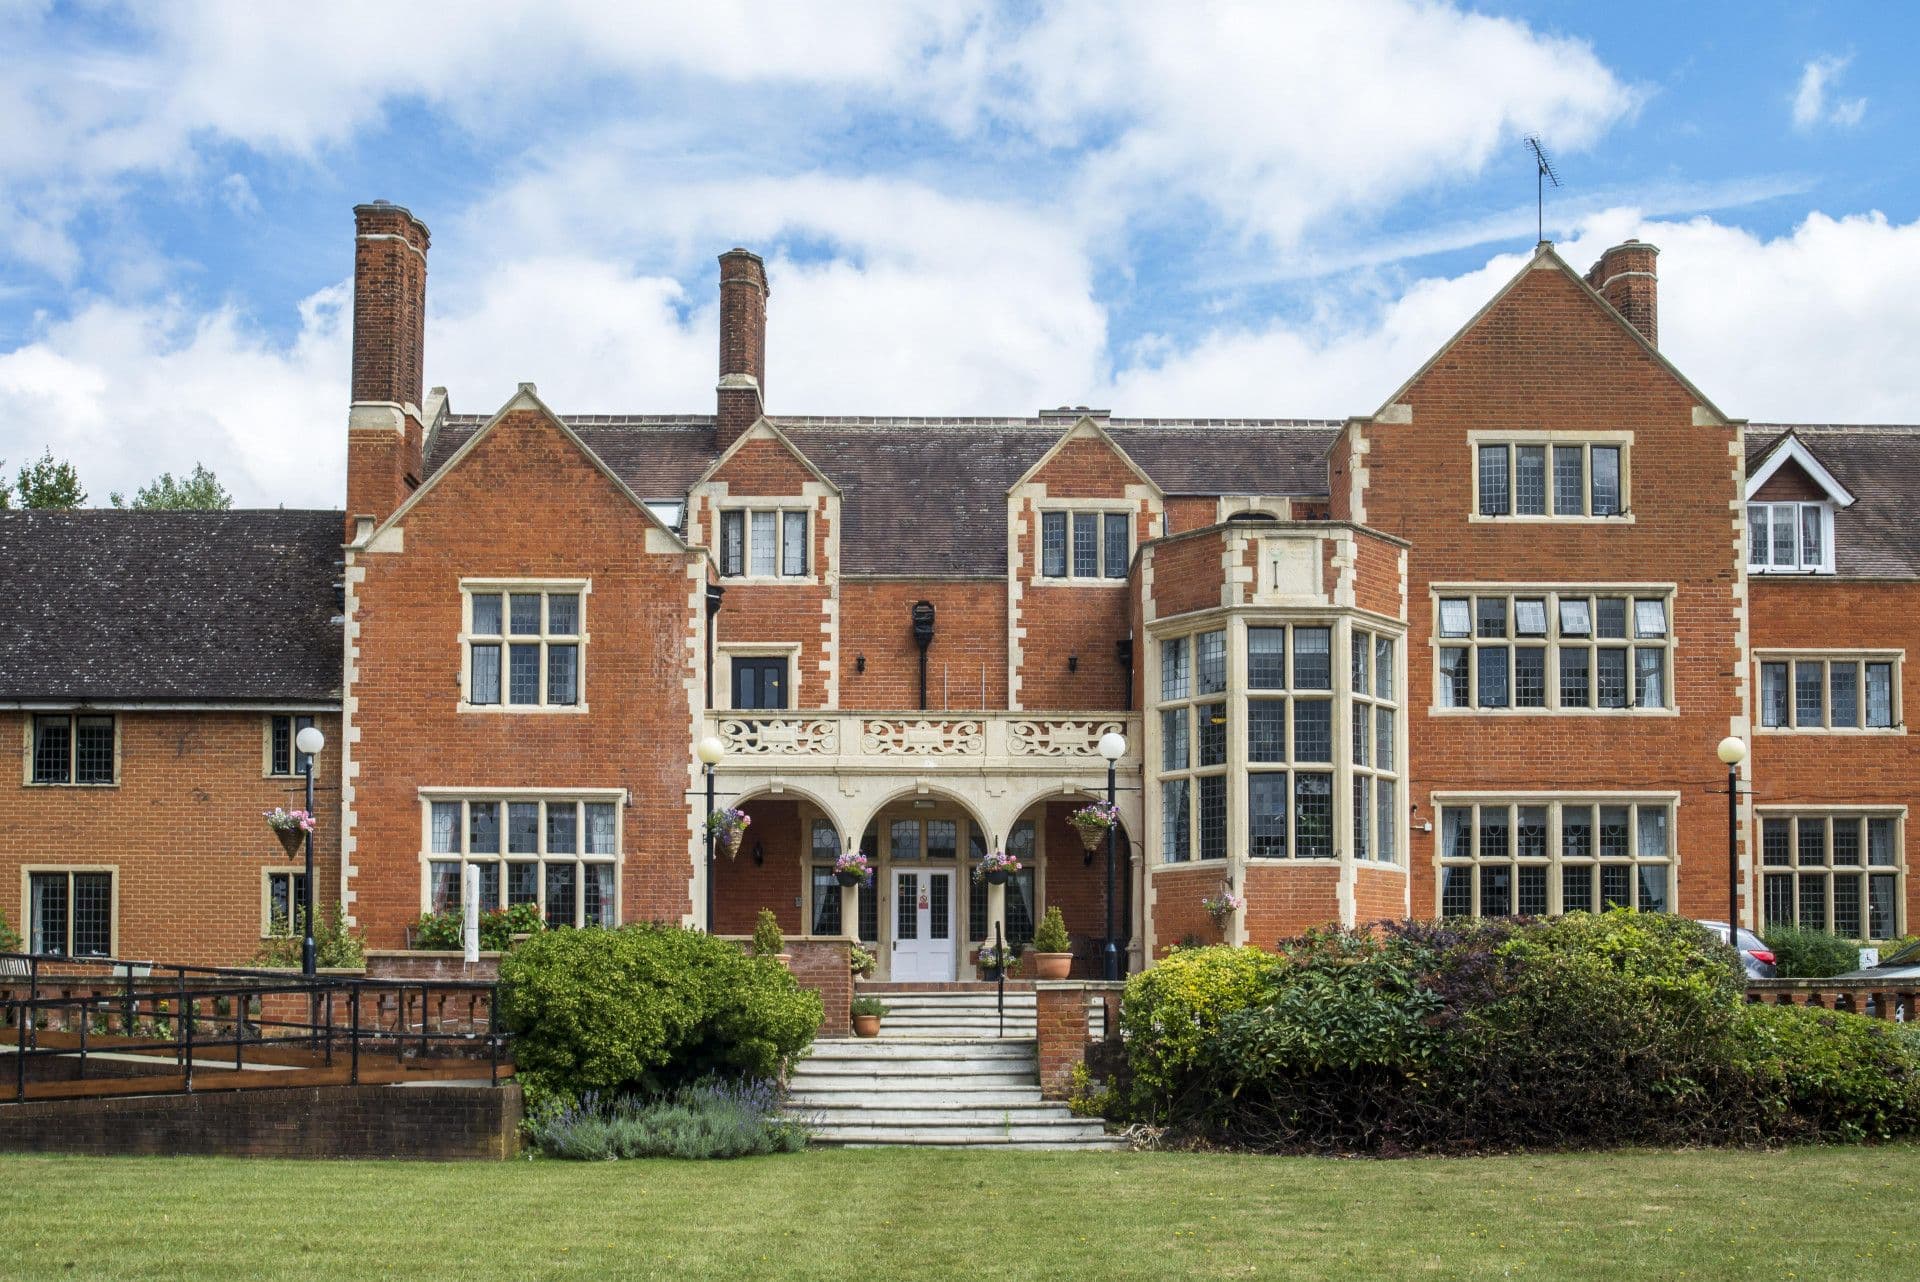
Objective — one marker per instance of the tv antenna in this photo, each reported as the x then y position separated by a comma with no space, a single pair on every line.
1544,173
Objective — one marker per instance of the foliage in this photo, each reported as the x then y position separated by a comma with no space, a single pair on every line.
646,1008
1088,1096
1051,936
854,863
1093,820
993,956
767,939
1581,1030
704,1120
996,861
1222,907
446,932
9,938
1811,954
867,1006
199,490
861,960
50,484
281,819
336,946
1818,1074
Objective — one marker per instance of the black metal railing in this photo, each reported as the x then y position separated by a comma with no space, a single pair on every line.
107,1018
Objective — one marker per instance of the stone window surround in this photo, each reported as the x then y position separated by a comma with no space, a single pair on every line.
780,505
1551,593
1624,440
725,652
1897,813
618,797
1237,620
294,727
483,586
1863,657
1100,507
1555,802
294,873
32,720
27,872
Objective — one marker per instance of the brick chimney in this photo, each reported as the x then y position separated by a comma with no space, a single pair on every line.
1626,278
384,432
743,344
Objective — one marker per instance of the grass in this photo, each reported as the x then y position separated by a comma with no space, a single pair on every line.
1802,1213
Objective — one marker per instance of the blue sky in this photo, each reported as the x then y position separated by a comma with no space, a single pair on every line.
966,207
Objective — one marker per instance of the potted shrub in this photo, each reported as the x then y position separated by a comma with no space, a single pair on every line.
996,868
853,869
727,827
866,1012
768,941
1052,947
995,961
290,826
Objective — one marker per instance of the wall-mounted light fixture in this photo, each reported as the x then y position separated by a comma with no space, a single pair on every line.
1073,663
860,663
759,854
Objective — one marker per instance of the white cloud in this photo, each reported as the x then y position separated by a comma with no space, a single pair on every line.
1811,106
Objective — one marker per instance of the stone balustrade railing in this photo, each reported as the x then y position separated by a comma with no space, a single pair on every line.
1884,999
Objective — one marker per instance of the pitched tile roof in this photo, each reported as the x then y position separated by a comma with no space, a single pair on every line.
927,496
1879,535
111,606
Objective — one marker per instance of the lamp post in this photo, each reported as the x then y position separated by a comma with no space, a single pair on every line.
309,741
710,750
1113,746
1733,751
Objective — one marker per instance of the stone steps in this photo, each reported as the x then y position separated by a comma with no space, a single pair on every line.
950,1013
954,1091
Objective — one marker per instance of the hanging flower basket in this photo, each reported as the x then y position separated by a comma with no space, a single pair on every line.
996,868
1093,822
290,826
727,827
1222,907
852,869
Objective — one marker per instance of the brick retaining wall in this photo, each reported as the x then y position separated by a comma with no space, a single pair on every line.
1061,1027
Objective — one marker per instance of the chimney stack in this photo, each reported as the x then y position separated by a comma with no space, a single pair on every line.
743,344
1626,278
384,432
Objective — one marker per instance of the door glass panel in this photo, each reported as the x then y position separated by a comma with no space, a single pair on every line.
903,839
940,905
906,915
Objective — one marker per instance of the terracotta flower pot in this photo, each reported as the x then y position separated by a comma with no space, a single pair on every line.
1052,965
866,1026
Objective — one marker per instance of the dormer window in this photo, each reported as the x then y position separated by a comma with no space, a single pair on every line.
1790,538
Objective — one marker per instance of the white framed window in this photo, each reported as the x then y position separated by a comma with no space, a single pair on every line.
1836,870
559,852
74,748
1085,544
283,902
1551,477
71,912
1541,650
1790,538
1830,691
1540,854
763,543
524,646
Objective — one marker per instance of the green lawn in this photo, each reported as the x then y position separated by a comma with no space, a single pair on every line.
1806,1213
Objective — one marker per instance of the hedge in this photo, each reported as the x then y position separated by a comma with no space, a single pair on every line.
645,1009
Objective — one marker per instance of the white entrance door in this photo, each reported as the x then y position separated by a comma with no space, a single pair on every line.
923,924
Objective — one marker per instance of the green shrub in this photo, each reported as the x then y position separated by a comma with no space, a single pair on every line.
1818,1074
335,946
446,932
1052,937
9,939
1170,1013
867,1006
767,939
704,1120
645,1009
437,932
1811,954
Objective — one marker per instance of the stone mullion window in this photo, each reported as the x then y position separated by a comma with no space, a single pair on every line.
70,748
70,912
524,645
1830,691
1295,741
1088,544
1838,871
1549,477
1374,732
1573,649
764,542
1533,855
561,854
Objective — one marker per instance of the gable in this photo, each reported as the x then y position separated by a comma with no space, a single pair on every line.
1789,484
761,467
1087,463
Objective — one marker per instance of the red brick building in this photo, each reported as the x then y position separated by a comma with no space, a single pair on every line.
1469,654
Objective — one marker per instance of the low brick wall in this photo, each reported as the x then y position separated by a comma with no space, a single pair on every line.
823,963
1062,1028
430,1122
398,963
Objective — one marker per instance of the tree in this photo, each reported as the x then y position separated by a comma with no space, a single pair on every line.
200,490
50,484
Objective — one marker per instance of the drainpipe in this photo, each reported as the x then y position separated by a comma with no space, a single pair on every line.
923,637
714,593
1123,653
